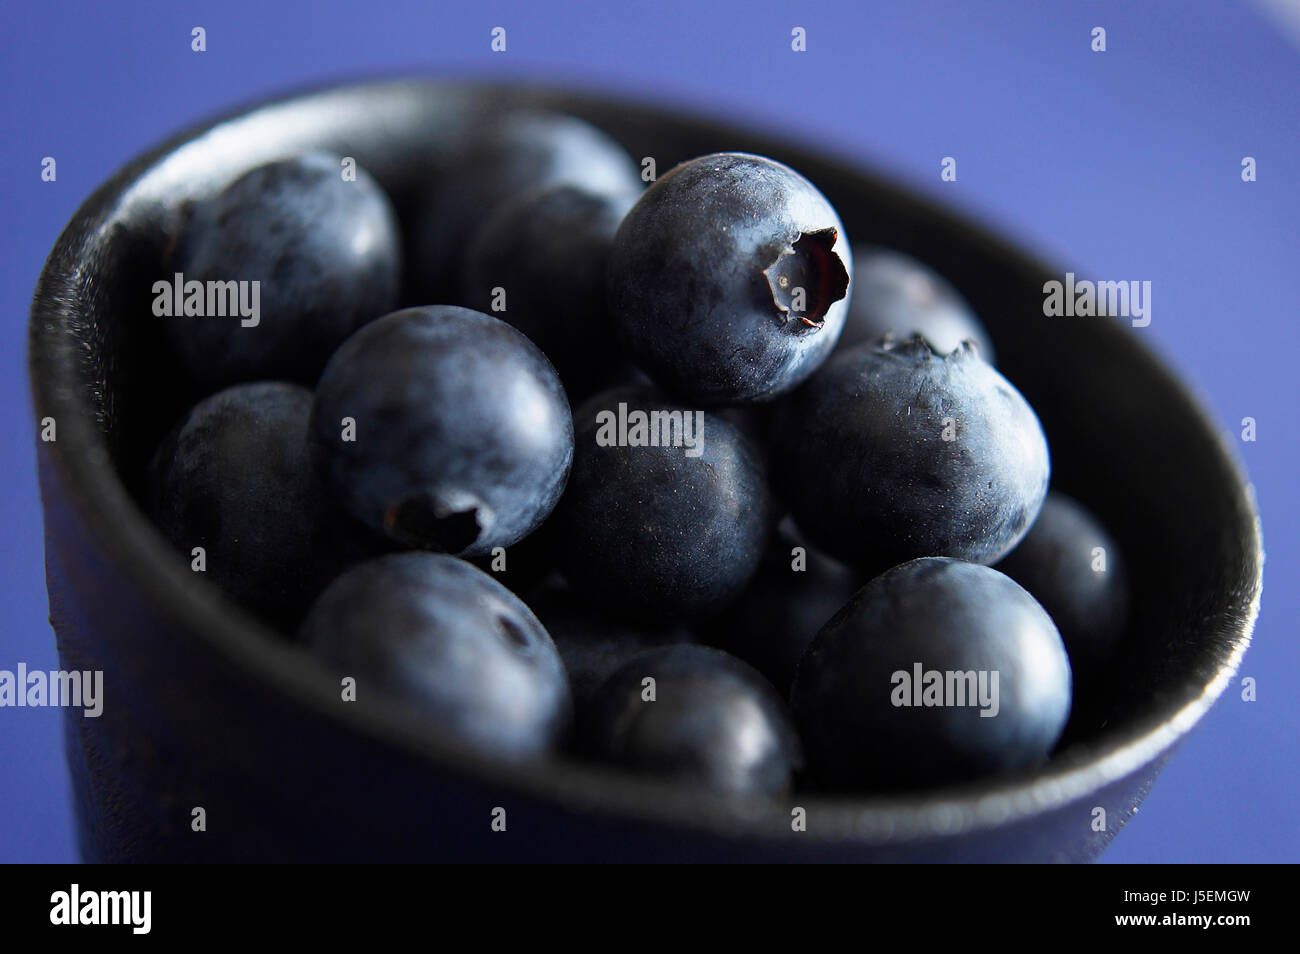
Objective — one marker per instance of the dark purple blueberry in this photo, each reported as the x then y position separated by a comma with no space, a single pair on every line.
1072,566
324,252
542,255
728,279
937,672
707,719
666,532
438,636
511,154
894,294
235,477
894,452
444,428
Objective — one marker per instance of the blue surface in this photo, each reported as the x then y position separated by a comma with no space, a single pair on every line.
1125,163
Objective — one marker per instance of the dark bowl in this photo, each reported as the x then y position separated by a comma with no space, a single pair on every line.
205,707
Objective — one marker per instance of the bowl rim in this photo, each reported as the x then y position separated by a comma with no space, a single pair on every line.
129,541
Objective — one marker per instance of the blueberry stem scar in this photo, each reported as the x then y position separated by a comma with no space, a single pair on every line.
811,264
425,521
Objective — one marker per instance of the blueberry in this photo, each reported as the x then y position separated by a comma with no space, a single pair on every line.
593,643
444,428
936,672
894,452
667,532
514,153
546,250
728,279
712,721
324,251
796,590
435,634
895,294
235,477
1070,564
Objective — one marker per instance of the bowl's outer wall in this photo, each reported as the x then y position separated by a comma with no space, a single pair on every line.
182,730
225,723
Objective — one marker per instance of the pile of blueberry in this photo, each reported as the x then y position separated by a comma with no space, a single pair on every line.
665,477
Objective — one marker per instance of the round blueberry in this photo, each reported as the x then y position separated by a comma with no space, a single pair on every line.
796,590
594,643
513,153
894,452
669,530
936,672
728,279
695,715
894,294
235,477
322,253
538,262
1070,564
435,634
444,428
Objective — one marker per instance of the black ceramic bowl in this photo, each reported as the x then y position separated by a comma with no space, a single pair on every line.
204,707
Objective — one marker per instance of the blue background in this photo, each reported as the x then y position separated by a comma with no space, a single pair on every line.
1123,164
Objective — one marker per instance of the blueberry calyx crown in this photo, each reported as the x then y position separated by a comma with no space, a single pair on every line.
810,264
917,345
450,524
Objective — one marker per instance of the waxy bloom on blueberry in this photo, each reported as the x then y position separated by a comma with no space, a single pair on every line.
993,694
729,279
326,256
704,718
444,428
444,639
894,451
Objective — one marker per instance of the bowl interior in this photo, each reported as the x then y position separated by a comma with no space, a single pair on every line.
1125,437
